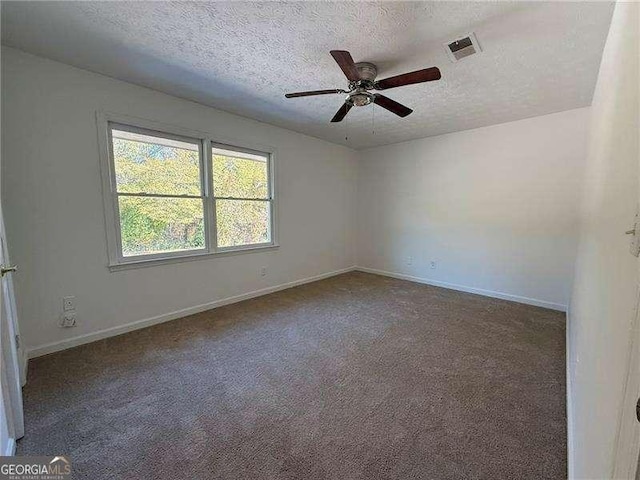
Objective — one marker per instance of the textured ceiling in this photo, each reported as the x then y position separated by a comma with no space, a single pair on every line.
242,57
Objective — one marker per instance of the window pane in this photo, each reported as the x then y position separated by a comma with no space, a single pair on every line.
150,164
239,175
155,225
242,222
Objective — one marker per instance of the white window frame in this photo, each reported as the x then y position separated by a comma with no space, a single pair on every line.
117,261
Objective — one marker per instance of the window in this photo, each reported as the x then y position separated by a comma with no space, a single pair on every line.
175,195
160,192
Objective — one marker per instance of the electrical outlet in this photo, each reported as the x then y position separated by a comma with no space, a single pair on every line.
68,303
263,272
433,265
68,320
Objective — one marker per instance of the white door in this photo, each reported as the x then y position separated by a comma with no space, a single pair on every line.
12,374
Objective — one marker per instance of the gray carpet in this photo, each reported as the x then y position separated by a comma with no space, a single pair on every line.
354,377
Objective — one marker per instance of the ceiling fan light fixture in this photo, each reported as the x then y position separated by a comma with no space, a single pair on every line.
360,99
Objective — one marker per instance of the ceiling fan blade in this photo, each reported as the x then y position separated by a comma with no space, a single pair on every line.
313,92
346,63
419,76
391,105
340,114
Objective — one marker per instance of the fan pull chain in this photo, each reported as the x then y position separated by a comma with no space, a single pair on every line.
346,129
373,119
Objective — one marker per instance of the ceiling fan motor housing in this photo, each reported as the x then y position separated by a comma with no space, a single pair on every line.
367,71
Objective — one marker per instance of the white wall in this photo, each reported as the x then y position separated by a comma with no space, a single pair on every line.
606,278
54,214
496,208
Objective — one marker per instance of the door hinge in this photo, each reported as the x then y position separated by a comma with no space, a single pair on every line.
18,342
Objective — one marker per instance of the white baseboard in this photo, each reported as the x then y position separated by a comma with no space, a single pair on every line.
463,288
10,451
147,322
138,324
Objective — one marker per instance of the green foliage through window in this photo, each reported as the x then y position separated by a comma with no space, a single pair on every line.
238,182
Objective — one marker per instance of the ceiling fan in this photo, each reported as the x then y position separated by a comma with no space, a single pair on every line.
362,79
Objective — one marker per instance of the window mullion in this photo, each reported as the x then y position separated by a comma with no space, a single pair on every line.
210,203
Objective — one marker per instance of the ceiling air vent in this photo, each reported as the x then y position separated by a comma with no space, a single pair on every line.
462,47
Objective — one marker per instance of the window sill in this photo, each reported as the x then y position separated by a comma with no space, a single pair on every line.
142,263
